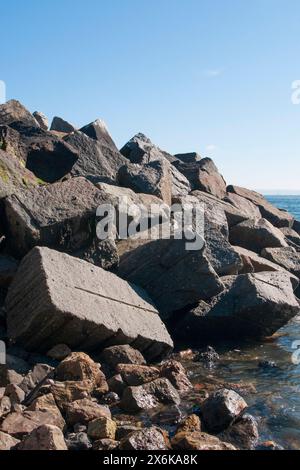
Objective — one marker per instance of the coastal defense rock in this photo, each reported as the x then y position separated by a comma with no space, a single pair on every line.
174,276
60,216
7,442
255,235
60,125
277,217
97,130
222,257
14,111
252,306
203,175
56,298
97,160
153,178
288,258
42,120
141,150
190,157
221,409
197,440
13,175
146,439
292,237
46,155
243,205
121,354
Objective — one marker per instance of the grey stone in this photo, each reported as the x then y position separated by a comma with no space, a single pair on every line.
14,111
190,157
277,217
221,409
255,235
60,125
286,257
243,433
121,354
42,120
93,308
146,439
243,205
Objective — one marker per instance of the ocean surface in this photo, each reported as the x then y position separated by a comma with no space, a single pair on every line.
275,403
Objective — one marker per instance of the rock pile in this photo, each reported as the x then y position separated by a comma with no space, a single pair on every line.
65,293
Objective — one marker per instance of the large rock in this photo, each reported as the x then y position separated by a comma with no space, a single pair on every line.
203,175
277,217
288,258
14,111
152,178
222,257
93,308
243,433
190,157
252,306
197,440
121,354
221,409
45,154
255,235
60,125
174,276
292,237
84,411
92,162
13,175
60,216
141,150
41,119
243,205
46,437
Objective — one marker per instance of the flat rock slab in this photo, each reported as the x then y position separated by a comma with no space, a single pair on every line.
56,298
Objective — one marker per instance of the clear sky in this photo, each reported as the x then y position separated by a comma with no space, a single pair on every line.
212,76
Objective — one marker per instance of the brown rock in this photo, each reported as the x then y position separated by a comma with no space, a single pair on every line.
175,372
46,437
106,444
7,441
198,441
242,434
15,393
84,411
133,374
102,428
190,424
67,392
5,406
9,376
122,354
47,404
13,111
288,258
146,439
19,424
116,384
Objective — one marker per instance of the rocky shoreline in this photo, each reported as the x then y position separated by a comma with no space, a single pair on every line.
91,326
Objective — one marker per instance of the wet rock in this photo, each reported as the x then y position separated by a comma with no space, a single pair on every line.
110,398
221,409
7,442
13,111
243,433
15,393
149,395
42,120
134,375
153,178
122,354
79,366
87,290
256,235
59,352
252,306
13,175
8,268
208,357
46,437
199,441
176,374
54,216
276,216
78,441
19,424
174,276
106,444
288,258
102,428
60,125
146,439
84,411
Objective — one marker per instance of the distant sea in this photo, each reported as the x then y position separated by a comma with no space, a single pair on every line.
289,203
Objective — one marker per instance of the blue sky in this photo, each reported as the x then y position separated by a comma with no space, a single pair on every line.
211,76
